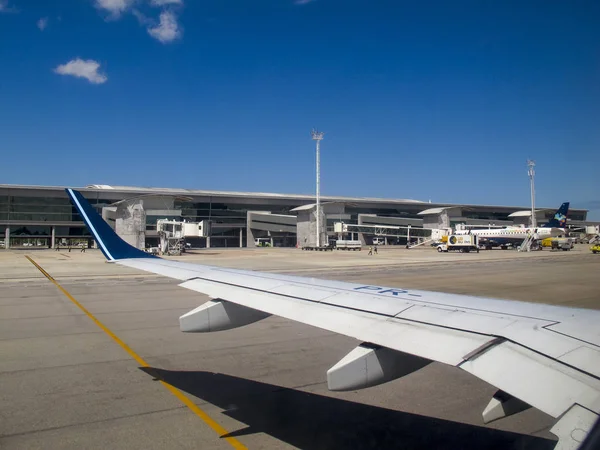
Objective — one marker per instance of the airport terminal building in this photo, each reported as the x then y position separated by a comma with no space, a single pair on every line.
43,215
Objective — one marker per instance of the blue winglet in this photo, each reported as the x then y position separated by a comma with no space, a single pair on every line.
111,245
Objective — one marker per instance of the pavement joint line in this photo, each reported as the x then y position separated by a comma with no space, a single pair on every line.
62,366
215,426
98,314
50,336
89,422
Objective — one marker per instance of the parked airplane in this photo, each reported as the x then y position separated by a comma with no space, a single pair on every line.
515,235
539,355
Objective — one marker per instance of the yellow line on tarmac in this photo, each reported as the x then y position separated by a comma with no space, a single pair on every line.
173,390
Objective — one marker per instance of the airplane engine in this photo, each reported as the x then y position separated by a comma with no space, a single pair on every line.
369,365
217,315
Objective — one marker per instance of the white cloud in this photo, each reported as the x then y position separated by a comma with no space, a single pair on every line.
4,8
42,23
82,69
142,18
168,28
114,7
166,2
118,7
165,30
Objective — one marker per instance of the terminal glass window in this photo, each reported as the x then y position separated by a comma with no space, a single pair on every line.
39,209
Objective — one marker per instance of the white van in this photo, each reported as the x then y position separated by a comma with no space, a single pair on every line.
262,242
378,241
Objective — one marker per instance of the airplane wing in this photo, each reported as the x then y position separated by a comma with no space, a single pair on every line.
539,355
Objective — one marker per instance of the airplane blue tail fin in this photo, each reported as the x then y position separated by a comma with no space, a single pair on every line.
111,245
560,217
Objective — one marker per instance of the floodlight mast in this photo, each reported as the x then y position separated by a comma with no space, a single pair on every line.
318,137
531,173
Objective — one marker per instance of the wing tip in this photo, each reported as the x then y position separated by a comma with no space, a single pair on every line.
112,246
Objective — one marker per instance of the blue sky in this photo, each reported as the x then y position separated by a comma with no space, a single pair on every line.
431,100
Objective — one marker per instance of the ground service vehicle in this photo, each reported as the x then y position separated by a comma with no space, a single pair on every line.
262,242
564,244
341,244
595,248
463,243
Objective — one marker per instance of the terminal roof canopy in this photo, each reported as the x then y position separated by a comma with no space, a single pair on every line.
527,212
439,210
314,205
242,194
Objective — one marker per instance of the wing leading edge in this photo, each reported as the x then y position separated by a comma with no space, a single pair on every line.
523,349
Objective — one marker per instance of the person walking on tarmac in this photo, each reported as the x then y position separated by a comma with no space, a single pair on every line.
370,251
375,249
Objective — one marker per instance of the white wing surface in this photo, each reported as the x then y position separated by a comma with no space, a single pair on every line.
545,356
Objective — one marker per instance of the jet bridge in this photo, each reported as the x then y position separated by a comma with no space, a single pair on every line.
414,235
172,234
592,233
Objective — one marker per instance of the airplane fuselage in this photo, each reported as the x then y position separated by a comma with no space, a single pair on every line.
514,234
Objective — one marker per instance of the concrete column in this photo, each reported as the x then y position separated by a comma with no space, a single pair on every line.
53,237
249,234
361,237
241,239
7,238
208,242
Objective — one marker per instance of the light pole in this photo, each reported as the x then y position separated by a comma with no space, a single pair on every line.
318,137
531,173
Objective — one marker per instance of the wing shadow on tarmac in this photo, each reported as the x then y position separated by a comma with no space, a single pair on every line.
311,421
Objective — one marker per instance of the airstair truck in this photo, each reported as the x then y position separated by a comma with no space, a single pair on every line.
463,243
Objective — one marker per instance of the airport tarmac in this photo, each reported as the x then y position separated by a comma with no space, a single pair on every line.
64,383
